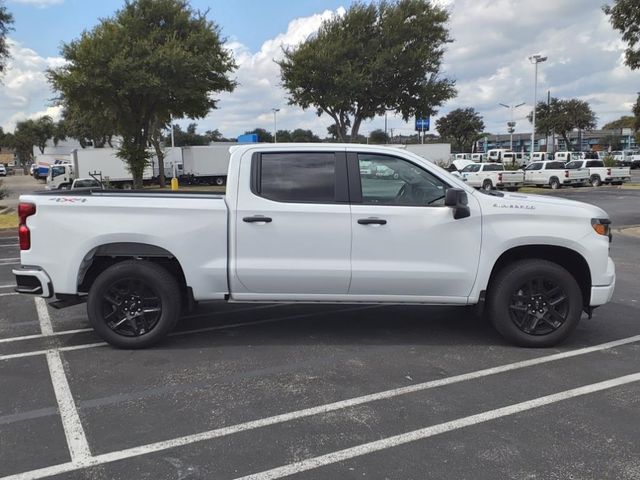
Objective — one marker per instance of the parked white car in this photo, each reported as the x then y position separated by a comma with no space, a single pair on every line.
3,170
492,175
478,157
554,174
541,156
515,158
599,174
300,224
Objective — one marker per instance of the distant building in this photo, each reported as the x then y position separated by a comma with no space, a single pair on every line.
7,155
580,141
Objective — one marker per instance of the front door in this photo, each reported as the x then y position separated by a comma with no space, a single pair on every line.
406,243
293,227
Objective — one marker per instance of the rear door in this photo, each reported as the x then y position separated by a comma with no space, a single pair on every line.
406,243
293,226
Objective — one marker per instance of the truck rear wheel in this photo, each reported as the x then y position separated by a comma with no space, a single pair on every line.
534,303
134,304
595,181
554,183
487,185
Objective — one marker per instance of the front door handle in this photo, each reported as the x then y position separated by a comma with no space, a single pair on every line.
372,221
257,218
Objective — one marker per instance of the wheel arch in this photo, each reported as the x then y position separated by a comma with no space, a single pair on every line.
102,257
567,258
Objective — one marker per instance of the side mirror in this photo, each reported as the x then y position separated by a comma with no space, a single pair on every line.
456,198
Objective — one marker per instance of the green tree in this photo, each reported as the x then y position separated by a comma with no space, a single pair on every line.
90,127
153,60
378,136
611,141
264,136
461,127
624,15
335,133
284,136
626,121
564,116
376,58
188,137
636,115
6,22
303,136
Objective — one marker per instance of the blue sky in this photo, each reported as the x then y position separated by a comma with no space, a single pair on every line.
488,58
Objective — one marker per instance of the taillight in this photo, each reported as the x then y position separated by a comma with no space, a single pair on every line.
566,174
608,172
25,210
500,177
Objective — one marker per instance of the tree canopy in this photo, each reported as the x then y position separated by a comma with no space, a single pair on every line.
190,136
153,60
563,116
6,22
375,58
626,121
378,136
624,15
461,127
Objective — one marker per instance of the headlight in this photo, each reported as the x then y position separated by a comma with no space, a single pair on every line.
602,226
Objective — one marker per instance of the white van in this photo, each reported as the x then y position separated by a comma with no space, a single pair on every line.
496,154
541,156
478,157
514,158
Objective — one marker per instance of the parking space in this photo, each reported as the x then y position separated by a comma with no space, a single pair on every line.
325,391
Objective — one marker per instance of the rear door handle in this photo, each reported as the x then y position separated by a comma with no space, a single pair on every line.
257,218
372,221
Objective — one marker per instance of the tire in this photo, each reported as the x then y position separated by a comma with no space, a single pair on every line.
119,290
554,183
595,181
487,185
512,301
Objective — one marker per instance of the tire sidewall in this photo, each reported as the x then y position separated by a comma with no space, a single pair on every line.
501,290
153,275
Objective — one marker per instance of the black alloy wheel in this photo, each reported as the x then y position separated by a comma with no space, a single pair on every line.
131,307
539,306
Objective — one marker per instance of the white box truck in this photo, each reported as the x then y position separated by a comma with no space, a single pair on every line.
206,164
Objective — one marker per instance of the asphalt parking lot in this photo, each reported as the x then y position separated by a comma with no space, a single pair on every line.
324,392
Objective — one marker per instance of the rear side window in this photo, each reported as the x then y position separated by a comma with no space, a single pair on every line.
554,166
493,167
595,163
297,177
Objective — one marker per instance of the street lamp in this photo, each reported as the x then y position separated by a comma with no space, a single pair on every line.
275,124
511,123
535,59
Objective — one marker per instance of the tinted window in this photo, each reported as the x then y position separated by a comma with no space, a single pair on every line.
471,168
554,166
534,166
595,163
298,177
493,167
574,165
398,182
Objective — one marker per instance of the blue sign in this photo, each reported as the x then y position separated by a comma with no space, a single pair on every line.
248,138
422,124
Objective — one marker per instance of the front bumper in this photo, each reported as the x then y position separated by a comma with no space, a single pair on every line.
601,294
33,281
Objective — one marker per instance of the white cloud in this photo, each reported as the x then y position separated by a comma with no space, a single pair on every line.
25,92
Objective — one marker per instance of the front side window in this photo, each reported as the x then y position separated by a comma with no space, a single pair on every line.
297,177
555,166
471,168
534,166
574,165
399,182
55,171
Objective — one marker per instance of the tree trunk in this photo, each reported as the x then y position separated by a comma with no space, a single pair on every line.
567,143
160,154
355,129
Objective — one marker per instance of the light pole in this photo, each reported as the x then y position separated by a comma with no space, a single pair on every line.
275,124
512,123
535,59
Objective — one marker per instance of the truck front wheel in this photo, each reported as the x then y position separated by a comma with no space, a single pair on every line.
134,304
534,303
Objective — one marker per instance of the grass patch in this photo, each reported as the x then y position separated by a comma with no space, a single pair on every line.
533,190
9,220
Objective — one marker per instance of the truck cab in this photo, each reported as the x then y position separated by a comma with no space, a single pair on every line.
60,177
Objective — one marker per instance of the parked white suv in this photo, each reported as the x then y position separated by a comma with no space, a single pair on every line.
3,170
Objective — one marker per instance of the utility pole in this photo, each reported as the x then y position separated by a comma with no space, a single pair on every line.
511,124
535,59
275,124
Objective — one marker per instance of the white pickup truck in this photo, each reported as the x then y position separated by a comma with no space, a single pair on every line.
554,174
491,175
599,174
299,223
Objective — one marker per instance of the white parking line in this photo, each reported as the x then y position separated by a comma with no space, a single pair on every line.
3,261
7,286
76,438
9,245
390,442
43,316
320,409
39,335
8,294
